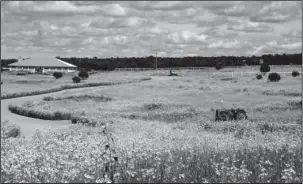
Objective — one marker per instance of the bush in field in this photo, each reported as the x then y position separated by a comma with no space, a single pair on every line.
259,76
264,68
21,73
274,77
218,66
48,98
57,75
9,130
295,73
83,74
76,79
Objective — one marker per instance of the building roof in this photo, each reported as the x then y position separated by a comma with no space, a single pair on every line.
42,62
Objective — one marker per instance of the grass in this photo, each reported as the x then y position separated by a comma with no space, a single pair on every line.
57,115
93,161
157,132
282,92
56,89
79,98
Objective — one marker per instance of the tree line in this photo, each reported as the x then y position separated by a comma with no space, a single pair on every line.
172,62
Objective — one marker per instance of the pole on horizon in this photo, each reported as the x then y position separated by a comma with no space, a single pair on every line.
156,61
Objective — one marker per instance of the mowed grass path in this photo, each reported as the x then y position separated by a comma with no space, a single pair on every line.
31,82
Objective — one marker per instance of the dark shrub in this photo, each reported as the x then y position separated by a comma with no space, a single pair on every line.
76,79
295,73
83,74
57,75
264,68
21,73
259,76
48,98
274,77
218,66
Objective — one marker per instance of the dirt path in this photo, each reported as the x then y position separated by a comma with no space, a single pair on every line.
28,125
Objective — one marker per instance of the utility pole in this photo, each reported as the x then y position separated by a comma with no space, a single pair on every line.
156,61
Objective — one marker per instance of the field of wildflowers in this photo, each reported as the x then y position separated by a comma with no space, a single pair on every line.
163,130
86,154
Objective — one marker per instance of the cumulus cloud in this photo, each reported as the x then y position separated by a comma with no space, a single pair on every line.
140,28
250,27
161,5
274,47
278,11
293,33
225,44
185,37
120,22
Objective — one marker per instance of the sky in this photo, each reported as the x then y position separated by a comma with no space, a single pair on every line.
143,28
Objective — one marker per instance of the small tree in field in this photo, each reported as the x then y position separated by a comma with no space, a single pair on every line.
218,66
57,75
274,77
295,73
76,79
259,76
264,68
83,74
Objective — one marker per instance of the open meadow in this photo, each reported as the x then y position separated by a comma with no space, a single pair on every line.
160,130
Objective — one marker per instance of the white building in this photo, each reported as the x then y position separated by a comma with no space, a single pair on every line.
42,65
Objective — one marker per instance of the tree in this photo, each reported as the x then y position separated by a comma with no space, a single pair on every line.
57,75
76,79
264,68
218,65
83,74
274,77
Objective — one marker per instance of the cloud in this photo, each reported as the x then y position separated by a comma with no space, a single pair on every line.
278,11
133,28
250,27
210,20
120,22
186,37
275,47
55,8
219,33
114,10
160,5
225,44
295,33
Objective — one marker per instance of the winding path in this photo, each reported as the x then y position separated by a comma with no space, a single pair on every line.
29,125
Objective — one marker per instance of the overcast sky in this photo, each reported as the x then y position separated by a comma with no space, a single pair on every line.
131,29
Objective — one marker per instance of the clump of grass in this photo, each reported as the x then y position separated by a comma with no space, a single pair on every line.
295,105
205,88
282,92
48,98
9,130
227,79
153,106
39,114
89,121
79,98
